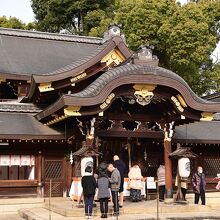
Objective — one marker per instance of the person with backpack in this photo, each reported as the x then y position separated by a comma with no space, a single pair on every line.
89,186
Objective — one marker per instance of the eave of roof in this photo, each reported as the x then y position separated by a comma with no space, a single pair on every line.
24,53
50,36
98,91
198,132
80,65
85,62
25,126
19,107
212,97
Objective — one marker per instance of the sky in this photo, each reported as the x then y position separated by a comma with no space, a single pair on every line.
22,9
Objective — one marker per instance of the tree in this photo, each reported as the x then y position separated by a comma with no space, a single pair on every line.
55,15
183,36
12,22
215,78
15,23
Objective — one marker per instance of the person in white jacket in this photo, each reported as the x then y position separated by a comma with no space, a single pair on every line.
135,183
161,181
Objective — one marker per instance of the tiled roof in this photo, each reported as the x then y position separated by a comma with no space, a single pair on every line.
26,53
131,69
215,97
19,107
98,90
198,132
20,125
50,36
85,151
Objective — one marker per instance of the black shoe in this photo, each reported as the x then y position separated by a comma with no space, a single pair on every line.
103,216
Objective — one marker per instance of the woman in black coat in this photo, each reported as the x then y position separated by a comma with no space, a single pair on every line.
89,186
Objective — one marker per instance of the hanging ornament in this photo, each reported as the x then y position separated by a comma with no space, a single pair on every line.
71,157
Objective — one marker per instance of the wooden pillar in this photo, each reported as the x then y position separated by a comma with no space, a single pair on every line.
168,168
39,174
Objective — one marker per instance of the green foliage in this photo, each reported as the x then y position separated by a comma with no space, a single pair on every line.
12,22
183,36
77,16
214,76
15,23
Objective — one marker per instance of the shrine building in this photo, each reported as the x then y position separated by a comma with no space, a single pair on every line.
60,93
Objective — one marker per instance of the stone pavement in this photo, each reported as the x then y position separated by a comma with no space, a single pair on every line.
10,217
43,214
64,209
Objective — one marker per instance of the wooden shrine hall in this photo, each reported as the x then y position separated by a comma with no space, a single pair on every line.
59,91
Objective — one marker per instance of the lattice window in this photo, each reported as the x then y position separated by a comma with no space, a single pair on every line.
53,169
56,189
211,166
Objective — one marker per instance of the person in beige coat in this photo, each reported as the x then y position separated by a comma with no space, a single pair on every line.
135,183
161,181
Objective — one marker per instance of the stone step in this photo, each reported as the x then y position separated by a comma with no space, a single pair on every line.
68,208
13,205
43,214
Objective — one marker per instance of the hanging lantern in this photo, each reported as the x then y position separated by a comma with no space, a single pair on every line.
184,167
85,162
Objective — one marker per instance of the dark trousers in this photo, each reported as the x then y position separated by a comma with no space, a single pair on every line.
115,201
161,192
104,205
88,204
202,195
183,190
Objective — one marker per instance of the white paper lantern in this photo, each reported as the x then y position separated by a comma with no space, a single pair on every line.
85,162
184,167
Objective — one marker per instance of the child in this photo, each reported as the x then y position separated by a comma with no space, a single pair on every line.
89,185
103,192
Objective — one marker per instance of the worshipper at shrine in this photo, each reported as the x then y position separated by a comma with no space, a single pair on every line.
161,181
135,183
120,165
103,190
115,181
199,184
88,183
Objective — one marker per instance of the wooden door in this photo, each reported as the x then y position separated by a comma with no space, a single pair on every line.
53,172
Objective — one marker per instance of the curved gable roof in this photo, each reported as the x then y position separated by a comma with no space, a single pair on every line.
27,52
99,90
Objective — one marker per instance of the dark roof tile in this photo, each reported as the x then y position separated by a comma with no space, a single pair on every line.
27,53
20,125
201,132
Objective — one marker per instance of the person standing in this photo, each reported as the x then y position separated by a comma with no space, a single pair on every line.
161,181
135,183
88,183
199,184
115,181
120,165
103,193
